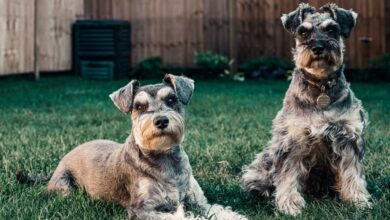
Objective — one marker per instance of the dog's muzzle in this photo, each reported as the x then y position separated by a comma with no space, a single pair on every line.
317,47
161,122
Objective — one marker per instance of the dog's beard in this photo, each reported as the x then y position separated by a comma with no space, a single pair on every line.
150,138
319,65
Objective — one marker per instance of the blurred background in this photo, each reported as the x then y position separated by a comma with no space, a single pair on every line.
201,38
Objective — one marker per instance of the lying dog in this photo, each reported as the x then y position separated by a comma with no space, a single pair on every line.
317,138
149,174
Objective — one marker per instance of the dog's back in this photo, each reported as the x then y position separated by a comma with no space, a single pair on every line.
91,165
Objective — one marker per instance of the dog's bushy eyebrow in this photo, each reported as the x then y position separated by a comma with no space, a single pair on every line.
164,92
328,22
141,96
169,95
306,25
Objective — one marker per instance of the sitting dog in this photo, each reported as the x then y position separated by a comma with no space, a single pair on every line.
317,137
149,174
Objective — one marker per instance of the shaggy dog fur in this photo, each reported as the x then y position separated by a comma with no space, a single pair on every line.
314,148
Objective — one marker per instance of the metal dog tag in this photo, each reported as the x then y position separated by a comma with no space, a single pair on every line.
323,101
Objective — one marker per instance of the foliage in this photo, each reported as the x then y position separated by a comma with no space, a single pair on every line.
227,124
217,65
177,70
380,68
150,67
211,61
381,62
270,62
377,70
267,67
237,76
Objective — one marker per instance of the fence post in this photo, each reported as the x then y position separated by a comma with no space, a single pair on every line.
232,35
36,40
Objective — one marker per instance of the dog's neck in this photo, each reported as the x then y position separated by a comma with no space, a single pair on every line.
324,80
150,156
306,88
151,164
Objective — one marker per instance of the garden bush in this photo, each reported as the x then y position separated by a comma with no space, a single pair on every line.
150,67
382,62
267,67
214,64
378,69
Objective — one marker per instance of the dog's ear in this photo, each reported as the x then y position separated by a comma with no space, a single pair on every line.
123,97
183,86
292,20
345,18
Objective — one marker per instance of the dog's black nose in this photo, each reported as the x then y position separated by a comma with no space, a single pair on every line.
161,122
318,49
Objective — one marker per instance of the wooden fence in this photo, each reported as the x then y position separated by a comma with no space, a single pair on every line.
54,34
175,29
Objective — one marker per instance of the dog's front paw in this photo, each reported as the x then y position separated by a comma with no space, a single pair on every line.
363,204
291,203
360,200
218,212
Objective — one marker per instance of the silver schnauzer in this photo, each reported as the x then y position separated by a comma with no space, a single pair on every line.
150,174
317,143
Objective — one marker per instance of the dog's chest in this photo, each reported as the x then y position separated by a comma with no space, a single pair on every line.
178,181
168,191
314,127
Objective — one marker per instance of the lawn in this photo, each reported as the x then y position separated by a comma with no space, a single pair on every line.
227,124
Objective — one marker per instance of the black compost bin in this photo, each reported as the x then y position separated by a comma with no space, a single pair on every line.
101,48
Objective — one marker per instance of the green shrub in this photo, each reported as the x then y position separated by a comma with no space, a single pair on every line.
176,70
150,67
215,63
267,62
382,62
267,67
377,70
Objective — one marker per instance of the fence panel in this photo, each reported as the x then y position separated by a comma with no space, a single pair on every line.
175,29
16,36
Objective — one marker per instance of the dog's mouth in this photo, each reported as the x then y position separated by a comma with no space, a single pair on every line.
163,133
322,60
158,138
162,140
324,57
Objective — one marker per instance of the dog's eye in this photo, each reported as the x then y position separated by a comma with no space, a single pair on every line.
304,32
331,29
171,100
140,106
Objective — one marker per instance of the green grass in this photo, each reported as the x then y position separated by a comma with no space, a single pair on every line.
227,124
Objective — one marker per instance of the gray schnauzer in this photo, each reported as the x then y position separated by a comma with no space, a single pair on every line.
317,140
149,174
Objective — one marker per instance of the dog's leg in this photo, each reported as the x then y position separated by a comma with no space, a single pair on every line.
288,188
214,212
257,177
150,201
350,181
62,181
289,174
